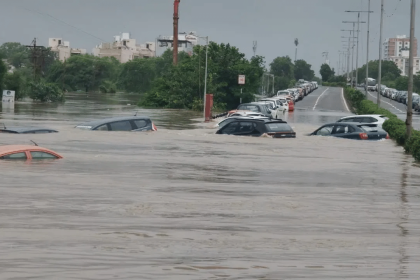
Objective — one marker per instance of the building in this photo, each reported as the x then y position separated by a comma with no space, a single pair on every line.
62,48
393,47
124,49
402,62
186,42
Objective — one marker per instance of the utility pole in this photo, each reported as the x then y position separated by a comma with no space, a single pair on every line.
175,41
254,47
367,56
380,56
409,120
205,79
37,57
296,44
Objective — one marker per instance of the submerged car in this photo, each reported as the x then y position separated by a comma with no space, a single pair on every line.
352,131
258,127
254,107
26,152
133,123
26,130
224,122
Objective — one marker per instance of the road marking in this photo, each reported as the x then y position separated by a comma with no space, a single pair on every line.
386,103
345,102
316,103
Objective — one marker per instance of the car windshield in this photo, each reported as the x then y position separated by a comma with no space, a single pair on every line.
253,108
278,127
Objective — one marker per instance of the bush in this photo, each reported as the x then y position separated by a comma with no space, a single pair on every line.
334,84
45,92
108,87
413,145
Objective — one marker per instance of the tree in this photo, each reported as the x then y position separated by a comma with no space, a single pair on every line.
303,70
401,83
3,71
13,81
282,67
326,72
45,92
16,54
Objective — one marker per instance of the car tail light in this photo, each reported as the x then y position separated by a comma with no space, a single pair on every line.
387,136
363,136
154,128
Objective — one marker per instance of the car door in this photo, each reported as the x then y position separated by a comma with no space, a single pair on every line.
141,125
326,130
229,128
15,156
343,131
121,126
246,128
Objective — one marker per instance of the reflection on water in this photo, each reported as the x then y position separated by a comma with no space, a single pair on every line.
189,204
82,107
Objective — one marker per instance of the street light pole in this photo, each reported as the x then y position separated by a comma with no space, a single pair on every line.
410,72
367,49
205,80
380,55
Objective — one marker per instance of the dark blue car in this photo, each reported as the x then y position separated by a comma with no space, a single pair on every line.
356,131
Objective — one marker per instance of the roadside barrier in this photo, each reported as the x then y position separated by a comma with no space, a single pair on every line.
220,115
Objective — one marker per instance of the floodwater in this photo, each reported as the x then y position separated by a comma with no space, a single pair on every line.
189,204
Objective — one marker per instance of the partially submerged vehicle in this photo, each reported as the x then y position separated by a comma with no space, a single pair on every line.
26,152
26,130
133,123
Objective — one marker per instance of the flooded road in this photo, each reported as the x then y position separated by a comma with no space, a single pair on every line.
189,204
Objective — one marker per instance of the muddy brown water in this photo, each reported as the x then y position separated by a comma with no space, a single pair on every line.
189,204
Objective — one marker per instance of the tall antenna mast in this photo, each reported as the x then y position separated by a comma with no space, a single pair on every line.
254,48
296,44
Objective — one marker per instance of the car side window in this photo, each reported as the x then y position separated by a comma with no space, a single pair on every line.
246,127
367,120
121,126
324,131
103,127
230,128
42,155
140,123
21,155
339,129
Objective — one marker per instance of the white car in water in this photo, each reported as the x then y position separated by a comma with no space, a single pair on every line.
370,119
280,106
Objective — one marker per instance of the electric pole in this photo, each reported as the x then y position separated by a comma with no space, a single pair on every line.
367,56
380,56
37,58
175,41
254,47
409,120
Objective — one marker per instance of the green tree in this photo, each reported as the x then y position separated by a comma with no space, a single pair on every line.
14,81
3,71
138,75
16,54
326,72
46,92
401,83
303,70
282,67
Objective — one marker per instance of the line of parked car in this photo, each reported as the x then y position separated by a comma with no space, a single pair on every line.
275,106
399,96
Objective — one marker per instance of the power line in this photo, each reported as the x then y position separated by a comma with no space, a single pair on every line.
81,30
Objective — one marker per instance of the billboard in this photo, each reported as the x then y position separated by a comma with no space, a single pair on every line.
8,96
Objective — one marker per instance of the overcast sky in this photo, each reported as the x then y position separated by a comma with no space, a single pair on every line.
273,23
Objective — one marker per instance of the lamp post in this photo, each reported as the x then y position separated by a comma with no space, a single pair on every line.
357,51
352,57
205,76
410,72
380,56
367,48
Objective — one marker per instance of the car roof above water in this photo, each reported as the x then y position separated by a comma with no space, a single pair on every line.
115,119
28,129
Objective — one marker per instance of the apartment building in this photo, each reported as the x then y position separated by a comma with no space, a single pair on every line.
393,47
62,48
402,62
186,41
124,48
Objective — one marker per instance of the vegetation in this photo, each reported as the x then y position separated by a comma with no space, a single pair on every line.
395,127
326,72
158,82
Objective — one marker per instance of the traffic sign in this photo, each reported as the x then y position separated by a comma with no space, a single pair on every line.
241,79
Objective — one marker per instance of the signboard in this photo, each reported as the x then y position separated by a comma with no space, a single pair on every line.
241,79
8,96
